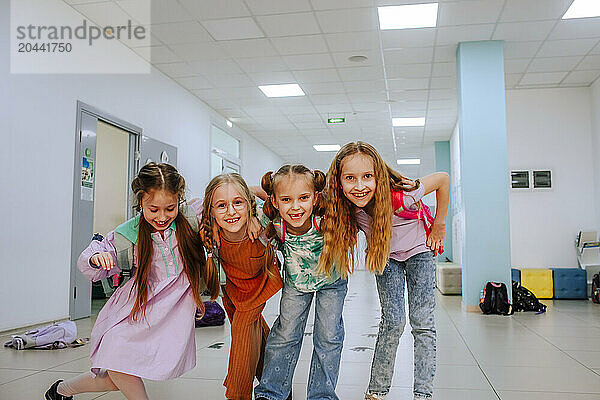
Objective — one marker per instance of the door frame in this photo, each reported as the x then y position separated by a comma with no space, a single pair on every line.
83,227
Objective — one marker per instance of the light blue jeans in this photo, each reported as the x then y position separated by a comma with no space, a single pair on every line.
419,274
285,340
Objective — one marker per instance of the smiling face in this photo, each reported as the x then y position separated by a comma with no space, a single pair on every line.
159,208
295,198
230,211
358,179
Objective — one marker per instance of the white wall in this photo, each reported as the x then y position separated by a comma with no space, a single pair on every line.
550,128
595,101
38,132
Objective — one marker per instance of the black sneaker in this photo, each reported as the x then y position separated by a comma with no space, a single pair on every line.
52,394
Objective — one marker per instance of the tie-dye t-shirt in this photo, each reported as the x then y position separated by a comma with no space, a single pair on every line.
301,257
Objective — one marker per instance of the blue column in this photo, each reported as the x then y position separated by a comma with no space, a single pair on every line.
442,164
485,245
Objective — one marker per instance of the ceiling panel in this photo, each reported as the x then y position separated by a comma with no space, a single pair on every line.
289,24
306,44
408,72
553,64
469,12
261,7
448,35
352,41
523,31
204,10
531,10
411,55
542,78
348,20
585,78
561,48
576,29
181,32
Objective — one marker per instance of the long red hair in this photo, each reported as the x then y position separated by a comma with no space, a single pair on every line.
340,227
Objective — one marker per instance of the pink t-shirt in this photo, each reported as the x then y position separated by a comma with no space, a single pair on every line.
408,235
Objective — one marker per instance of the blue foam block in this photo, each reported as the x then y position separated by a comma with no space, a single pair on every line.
569,283
515,274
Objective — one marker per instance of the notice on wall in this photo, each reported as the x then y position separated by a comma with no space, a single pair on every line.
87,179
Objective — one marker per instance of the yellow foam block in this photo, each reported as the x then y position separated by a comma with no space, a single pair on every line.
539,281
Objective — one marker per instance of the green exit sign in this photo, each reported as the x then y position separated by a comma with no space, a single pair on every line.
338,120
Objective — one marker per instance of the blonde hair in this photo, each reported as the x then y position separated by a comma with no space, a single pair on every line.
340,227
208,221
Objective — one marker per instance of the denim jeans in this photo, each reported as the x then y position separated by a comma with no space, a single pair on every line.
285,340
419,274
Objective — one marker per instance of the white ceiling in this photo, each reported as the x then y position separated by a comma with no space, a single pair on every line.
221,50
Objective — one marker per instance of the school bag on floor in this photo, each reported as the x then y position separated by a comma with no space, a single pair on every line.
596,288
525,300
214,315
49,337
494,299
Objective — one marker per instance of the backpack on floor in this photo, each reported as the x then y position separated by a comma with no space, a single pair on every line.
495,299
596,288
525,300
214,315
55,336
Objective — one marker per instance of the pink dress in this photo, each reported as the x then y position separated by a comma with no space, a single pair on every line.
164,346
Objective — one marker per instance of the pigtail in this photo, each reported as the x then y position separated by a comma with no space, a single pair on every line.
144,258
207,232
319,182
268,208
267,185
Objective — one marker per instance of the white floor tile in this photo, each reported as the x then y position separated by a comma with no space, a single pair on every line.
552,356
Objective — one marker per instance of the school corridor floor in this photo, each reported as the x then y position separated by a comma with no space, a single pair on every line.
553,356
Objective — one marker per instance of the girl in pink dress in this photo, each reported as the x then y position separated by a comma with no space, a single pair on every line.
146,329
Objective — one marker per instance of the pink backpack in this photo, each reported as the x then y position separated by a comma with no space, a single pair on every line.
423,212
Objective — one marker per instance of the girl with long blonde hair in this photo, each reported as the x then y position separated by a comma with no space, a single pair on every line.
252,277
146,328
366,194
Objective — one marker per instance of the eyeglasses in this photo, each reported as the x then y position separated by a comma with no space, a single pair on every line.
222,206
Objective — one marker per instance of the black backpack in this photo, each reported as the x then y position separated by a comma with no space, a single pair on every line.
596,288
525,300
495,299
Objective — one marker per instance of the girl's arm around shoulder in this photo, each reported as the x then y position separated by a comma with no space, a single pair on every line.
98,260
436,181
259,192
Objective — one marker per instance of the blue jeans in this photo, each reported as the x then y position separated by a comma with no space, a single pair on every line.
285,340
419,274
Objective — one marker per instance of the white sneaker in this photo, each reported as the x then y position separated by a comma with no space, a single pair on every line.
373,396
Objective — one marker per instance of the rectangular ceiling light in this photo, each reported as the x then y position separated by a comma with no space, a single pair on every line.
583,9
409,161
408,16
408,121
327,147
287,90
